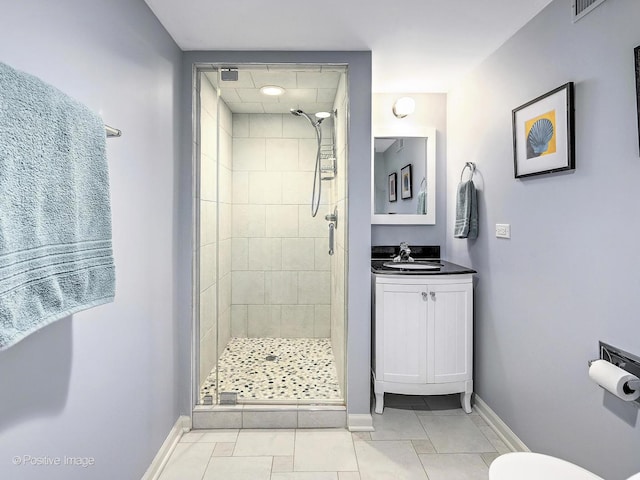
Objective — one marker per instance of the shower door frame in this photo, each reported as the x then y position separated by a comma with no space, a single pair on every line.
198,69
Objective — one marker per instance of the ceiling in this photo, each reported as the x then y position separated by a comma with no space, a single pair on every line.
417,45
309,88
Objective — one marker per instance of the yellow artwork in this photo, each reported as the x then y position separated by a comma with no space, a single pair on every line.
540,133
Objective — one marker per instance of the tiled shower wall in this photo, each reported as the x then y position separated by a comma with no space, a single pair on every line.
208,229
215,242
225,186
280,270
338,197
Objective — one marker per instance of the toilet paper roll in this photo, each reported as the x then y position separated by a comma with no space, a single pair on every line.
613,379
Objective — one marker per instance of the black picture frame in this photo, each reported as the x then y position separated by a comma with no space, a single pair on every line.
636,52
393,189
543,134
406,182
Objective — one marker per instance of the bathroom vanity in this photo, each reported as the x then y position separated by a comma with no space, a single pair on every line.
422,325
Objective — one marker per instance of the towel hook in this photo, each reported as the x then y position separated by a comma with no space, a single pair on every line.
423,183
471,166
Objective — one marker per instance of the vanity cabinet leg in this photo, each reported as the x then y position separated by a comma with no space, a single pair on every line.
379,403
465,400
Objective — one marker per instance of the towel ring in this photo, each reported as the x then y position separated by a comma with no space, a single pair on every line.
423,183
471,166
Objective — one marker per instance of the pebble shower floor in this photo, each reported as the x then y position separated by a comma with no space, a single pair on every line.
272,370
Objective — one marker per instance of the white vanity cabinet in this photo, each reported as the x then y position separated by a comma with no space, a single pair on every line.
423,336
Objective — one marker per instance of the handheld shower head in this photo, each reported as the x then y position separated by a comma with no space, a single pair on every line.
300,113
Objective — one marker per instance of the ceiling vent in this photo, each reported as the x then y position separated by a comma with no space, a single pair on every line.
582,7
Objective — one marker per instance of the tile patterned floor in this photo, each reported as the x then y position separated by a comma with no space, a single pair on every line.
417,438
277,369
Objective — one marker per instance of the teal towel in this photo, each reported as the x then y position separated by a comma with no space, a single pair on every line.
422,203
466,211
55,218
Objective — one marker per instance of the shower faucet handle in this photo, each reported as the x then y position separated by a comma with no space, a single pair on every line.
332,217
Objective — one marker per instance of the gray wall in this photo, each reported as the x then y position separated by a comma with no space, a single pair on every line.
431,111
569,275
359,192
102,383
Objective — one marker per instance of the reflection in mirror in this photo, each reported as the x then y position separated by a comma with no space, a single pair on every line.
403,178
394,155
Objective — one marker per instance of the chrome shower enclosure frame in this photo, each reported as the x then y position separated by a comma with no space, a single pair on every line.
198,71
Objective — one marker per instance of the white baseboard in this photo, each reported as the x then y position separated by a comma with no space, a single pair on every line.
360,422
183,424
502,429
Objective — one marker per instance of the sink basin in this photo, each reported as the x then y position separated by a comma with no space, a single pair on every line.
413,265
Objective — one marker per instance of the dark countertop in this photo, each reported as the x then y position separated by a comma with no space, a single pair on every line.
447,268
381,254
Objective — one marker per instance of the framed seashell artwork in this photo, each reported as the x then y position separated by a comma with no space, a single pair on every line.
543,134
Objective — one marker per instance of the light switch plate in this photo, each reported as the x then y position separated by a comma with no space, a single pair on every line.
503,230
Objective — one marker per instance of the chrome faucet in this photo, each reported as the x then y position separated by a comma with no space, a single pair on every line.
405,253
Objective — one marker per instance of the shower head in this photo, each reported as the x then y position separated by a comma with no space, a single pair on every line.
300,113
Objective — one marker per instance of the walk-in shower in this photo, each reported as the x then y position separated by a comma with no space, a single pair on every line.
270,322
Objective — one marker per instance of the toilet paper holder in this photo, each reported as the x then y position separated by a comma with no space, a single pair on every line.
624,360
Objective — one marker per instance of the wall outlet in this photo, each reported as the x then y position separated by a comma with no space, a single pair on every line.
503,230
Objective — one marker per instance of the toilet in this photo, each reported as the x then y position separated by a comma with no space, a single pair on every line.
535,466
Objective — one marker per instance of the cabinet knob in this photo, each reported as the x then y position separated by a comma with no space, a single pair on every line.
425,296
433,295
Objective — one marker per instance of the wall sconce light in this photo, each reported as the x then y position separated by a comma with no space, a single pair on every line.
404,106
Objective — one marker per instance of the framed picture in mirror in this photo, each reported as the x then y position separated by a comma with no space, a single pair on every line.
405,176
392,187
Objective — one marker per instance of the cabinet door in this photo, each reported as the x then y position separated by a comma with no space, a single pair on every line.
450,333
401,323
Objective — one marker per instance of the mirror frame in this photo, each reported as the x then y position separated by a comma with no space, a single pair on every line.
408,219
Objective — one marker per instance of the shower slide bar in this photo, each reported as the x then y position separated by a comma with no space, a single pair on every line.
112,132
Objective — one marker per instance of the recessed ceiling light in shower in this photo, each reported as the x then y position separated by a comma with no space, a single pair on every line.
272,90
323,114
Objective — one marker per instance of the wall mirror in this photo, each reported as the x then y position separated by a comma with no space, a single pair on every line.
403,186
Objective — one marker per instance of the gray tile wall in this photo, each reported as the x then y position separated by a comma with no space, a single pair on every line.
280,272
208,228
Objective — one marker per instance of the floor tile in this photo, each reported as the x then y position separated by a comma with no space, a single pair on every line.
188,461
252,443
489,457
455,434
192,436
458,466
282,464
478,420
396,424
423,446
348,476
224,449
389,460
305,476
495,440
238,468
221,435
324,451
361,436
